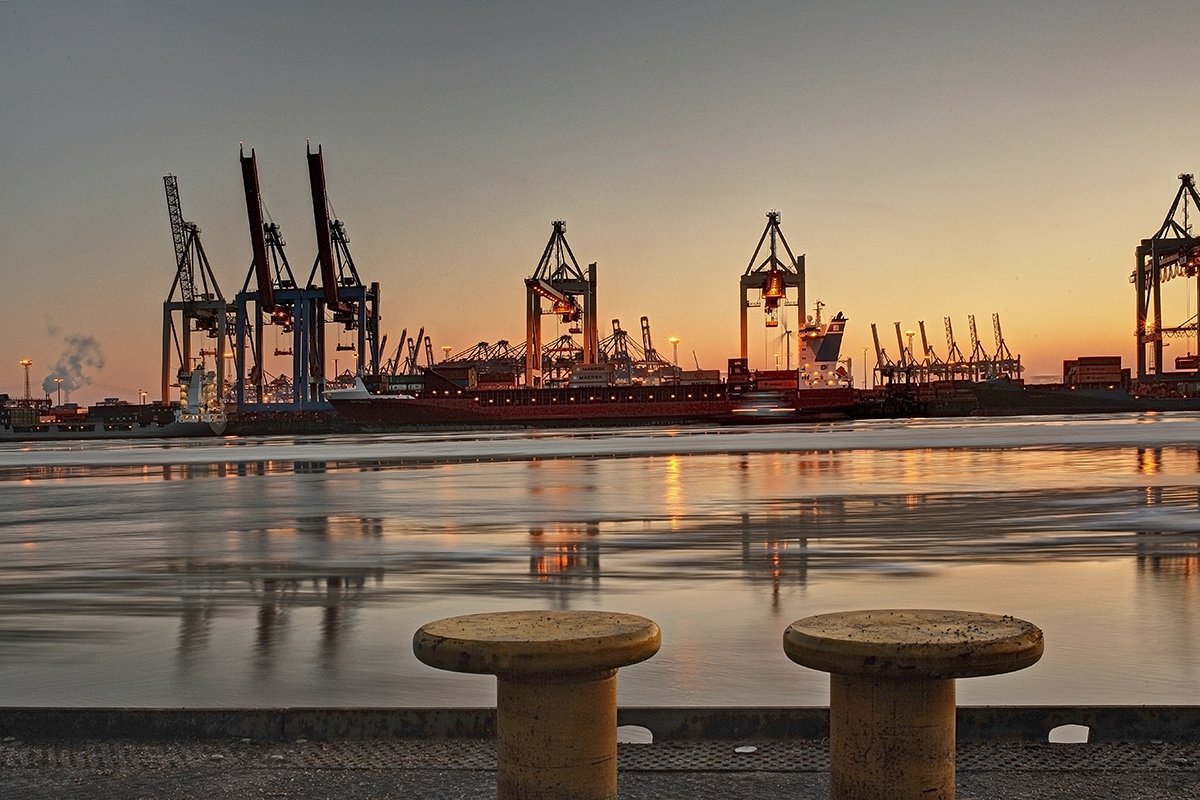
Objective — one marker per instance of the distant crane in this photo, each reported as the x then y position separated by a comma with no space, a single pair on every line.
979,357
200,308
955,360
884,366
647,343
1004,362
771,278
1172,252
559,279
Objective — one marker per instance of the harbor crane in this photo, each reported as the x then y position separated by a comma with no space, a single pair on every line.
270,294
194,303
956,362
770,278
885,368
978,355
1172,252
909,368
559,279
1004,362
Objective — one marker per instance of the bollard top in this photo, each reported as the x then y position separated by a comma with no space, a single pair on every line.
913,643
528,642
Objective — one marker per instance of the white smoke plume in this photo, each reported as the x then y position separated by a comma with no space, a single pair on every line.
81,352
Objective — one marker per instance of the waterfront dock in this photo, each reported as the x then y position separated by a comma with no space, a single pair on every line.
303,754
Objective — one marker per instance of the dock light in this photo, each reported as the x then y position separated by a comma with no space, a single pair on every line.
674,340
446,351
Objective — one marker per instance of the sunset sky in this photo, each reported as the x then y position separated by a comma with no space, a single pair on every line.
931,158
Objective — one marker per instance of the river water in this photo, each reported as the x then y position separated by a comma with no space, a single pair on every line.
294,571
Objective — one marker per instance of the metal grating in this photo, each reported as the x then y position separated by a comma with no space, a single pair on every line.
479,755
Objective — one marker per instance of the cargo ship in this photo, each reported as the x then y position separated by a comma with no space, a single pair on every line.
196,415
1004,397
818,388
1090,385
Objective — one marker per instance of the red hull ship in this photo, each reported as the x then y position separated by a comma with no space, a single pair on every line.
816,391
605,405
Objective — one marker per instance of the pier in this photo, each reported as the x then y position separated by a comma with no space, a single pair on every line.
1145,752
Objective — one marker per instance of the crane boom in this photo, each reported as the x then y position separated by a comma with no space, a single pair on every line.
647,344
880,358
258,239
179,230
320,201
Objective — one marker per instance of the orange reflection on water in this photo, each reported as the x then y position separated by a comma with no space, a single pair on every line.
567,554
673,494
1149,460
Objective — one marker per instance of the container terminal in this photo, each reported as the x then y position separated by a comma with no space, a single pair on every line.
218,375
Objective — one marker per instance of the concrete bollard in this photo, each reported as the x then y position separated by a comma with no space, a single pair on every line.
556,692
892,691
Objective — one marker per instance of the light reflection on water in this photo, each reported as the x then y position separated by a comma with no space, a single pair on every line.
294,572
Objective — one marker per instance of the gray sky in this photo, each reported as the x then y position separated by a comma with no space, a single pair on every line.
931,158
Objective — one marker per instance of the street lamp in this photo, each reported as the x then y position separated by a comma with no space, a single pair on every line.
142,392
674,340
59,382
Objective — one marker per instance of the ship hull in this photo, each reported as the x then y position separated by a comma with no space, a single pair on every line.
573,407
1005,398
108,430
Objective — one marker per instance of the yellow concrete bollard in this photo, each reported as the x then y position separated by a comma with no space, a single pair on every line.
892,692
556,692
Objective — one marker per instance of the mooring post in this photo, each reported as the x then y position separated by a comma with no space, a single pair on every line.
556,692
892,691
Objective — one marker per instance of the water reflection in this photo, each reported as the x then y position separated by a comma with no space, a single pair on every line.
297,574
1149,460
1164,553
565,554
780,556
207,591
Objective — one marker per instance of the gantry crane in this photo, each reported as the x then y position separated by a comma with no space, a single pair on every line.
885,368
1172,252
270,294
956,362
195,300
559,279
615,350
932,364
771,278
1004,362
